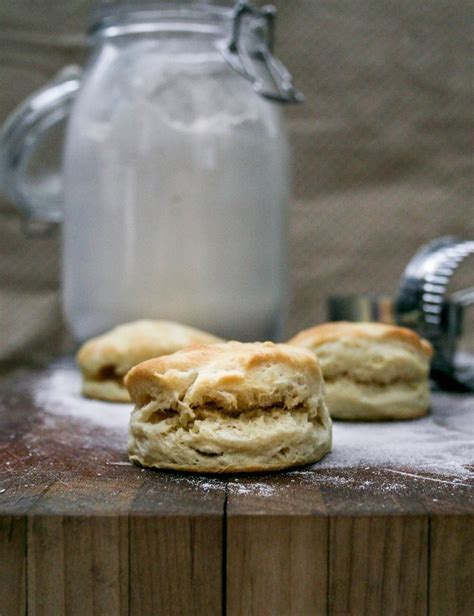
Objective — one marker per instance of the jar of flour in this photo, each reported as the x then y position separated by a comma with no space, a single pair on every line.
174,183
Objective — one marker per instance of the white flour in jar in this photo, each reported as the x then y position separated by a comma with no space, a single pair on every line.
176,189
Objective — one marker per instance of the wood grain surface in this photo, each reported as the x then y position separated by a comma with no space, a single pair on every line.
378,565
82,531
451,565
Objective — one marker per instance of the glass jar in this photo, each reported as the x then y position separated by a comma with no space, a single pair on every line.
175,172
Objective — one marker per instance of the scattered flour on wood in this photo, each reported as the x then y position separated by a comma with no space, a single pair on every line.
59,393
259,488
440,444
197,482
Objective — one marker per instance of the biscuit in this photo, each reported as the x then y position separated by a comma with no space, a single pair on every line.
232,407
372,371
105,360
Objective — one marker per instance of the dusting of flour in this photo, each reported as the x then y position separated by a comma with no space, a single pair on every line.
441,444
59,393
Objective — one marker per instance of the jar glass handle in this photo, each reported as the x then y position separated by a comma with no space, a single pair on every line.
30,174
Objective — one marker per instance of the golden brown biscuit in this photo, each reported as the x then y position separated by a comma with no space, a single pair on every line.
232,407
372,371
105,360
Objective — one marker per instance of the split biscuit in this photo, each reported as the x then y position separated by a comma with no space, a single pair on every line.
372,371
232,407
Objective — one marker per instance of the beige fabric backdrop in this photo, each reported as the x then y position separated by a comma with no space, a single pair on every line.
382,147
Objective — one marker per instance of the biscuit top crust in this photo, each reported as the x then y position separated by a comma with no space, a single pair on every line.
232,376
129,344
380,332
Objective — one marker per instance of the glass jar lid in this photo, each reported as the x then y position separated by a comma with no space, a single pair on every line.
244,34
121,17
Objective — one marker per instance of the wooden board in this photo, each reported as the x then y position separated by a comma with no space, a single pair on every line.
84,532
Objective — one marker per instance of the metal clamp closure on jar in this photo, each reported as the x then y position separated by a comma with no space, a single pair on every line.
269,77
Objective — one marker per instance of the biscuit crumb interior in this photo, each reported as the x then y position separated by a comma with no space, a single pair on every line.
233,407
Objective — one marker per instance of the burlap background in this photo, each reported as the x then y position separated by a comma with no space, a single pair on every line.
382,147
